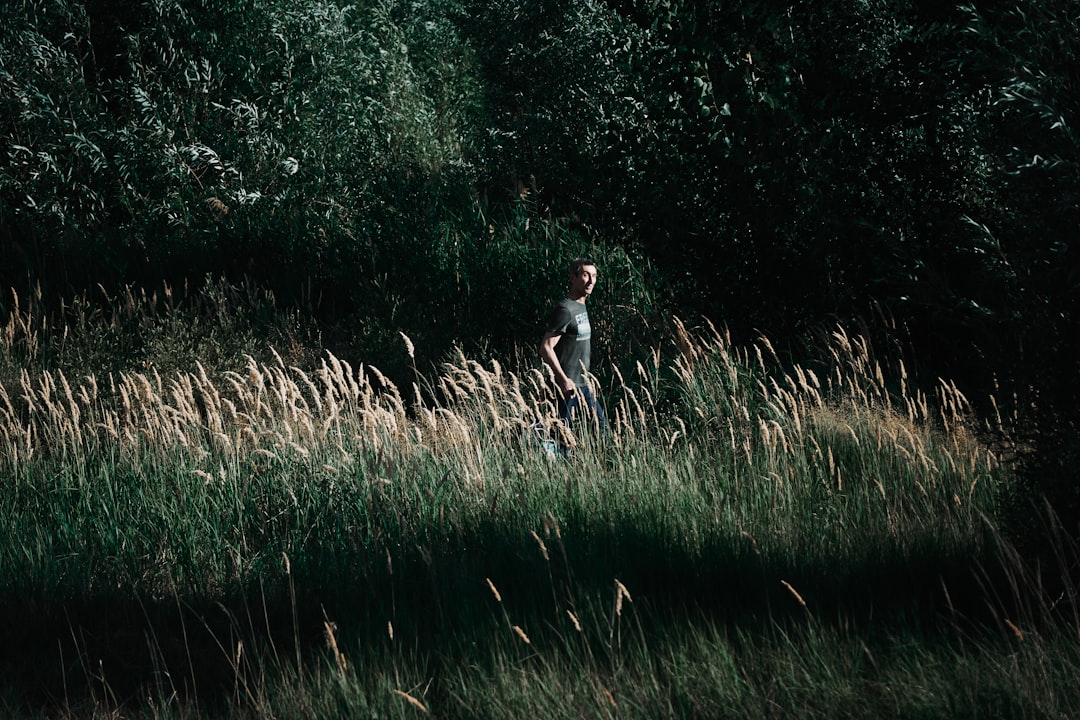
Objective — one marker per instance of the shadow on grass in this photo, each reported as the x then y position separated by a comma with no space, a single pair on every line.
65,650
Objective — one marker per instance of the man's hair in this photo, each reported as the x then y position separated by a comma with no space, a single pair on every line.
578,263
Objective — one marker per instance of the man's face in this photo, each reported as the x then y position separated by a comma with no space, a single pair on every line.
583,282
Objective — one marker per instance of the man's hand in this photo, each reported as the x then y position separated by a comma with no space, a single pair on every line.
569,389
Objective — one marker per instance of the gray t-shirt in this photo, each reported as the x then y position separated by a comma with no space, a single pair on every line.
570,320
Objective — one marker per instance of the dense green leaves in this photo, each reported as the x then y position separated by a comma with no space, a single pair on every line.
411,166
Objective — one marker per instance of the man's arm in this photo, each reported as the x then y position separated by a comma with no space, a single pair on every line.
547,354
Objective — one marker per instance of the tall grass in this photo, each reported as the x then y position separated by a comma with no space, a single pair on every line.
294,540
804,465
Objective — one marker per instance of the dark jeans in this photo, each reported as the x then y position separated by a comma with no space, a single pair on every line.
576,407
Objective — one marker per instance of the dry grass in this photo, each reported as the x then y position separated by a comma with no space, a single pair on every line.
270,411
828,464
779,423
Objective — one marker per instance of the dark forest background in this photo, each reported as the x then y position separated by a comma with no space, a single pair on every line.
345,172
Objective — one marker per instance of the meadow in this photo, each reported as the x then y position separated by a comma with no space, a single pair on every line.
751,537
272,428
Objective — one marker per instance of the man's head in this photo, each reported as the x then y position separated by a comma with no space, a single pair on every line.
582,278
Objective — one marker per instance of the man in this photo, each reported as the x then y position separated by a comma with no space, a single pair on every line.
566,347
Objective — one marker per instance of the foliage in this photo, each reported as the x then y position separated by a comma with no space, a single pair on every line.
563,98
167,330
228,136
1022,59
777,167
403,184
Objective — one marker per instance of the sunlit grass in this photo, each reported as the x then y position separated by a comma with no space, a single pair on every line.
747,540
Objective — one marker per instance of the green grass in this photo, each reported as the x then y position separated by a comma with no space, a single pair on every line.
749,540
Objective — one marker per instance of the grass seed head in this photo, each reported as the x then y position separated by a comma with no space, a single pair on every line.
541,545
494,591
408,345
411,700
794,592
331,642
620,593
